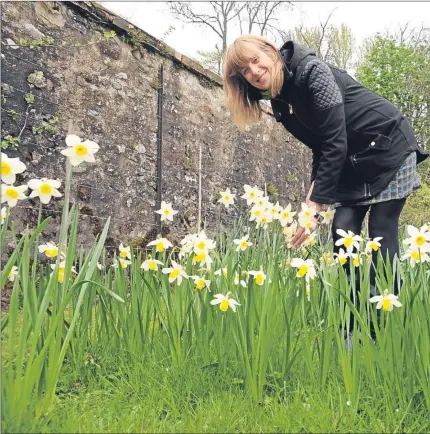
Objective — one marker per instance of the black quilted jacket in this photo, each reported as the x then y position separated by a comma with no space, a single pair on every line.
358,139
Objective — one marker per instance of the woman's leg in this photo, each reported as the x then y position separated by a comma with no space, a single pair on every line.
384,222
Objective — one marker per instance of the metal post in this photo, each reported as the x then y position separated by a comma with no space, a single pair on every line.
159,145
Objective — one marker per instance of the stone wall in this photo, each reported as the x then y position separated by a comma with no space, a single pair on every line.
107,85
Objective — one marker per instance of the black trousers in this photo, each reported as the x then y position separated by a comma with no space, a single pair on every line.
383,222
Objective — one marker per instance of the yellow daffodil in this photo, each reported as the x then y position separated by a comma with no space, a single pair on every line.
166,211
227,198
259,277
161,244
10,167
61,270
12,194
305,268
50,249
242,243
251,194
79,151
124,252
341,257
176,272
286,216
386,301
356,259
200,283
151,264
373,245
349,240
225,302
44,189
12,273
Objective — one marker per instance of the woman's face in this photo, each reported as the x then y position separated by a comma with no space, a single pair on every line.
257,71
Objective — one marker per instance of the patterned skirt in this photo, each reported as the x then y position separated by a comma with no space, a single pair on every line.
402,185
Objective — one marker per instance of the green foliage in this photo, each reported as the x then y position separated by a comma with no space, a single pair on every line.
10,142
29,98
41,42
50,126
12,113
400,72
273,190
417,208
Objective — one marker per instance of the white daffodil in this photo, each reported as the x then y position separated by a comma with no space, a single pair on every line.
61,270
311,240
251,194
327,216
356,259
225,302
349,240
124,252
275,210
242,243
289,231
305,268
161,243
416,256
373,245
11,194
99,266
166,211
306,214
264,220
286,216
327,257
227,198
123,263
44,189
151,264
263,202
237,280
256,212
309,225
203,259
418,238
341,257
3,215
201,283
202,244
222,271
259,277
12,273
9,168
50,249
386,301
79,151
176,272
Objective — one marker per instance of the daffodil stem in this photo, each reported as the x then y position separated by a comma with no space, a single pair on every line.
39,218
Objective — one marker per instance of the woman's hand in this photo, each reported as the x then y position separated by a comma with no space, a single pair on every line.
300,235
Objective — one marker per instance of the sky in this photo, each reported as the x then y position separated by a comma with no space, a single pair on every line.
364,18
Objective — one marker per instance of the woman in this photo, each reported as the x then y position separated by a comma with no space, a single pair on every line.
364,152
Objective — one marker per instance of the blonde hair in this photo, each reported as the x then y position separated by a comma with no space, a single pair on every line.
245,110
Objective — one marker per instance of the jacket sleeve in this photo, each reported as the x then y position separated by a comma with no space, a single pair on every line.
316,156
328,118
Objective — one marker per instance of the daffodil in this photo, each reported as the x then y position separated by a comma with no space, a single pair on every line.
61,270
259,277
12,194
418,238
305,268
327,257
151,264
44,189
200,283
349,240
225,302
311,240
263,221
202,244
275,210
416,256
10,167
306,214
227,198
341,257
242,243
3,215
251,194
161,244
166,211
386,301
286,216
203,259
373,245
327,216
238,280
121,262
356,259
12,273
50,249
222,271
256,212
79,151
176,272
124,252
